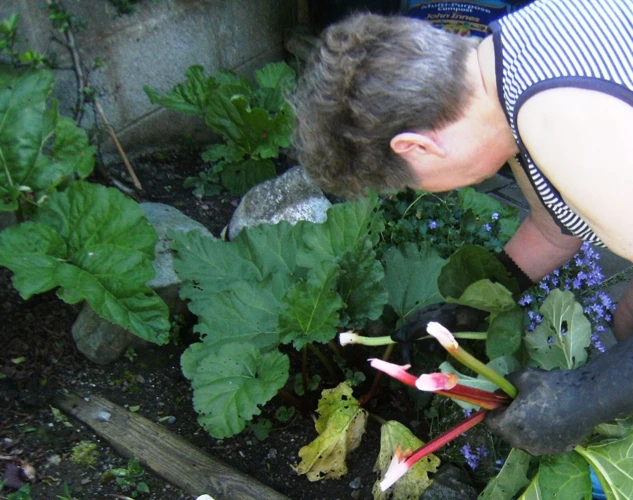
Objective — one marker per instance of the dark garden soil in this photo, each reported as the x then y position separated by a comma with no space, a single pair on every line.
38,358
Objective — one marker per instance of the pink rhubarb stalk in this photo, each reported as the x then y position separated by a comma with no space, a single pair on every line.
402,462
449,343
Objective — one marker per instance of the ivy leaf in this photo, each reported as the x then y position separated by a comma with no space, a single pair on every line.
312,312
560,476
416,480
411,278
562,338
95,244
231,383
469,265
611,460
340,426
511,478
505,333
360,284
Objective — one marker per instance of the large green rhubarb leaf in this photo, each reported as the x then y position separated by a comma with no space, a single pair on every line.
560,476
39,149
393,435
346,226
411,278
231,383
360,284
511,478
562,338
340,426
612,460
312,312
95,244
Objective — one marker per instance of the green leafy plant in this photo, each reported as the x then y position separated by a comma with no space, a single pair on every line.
255,123
87,241
9,39
129,478
40,150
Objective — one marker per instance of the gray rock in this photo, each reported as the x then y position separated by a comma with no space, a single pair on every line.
291,197
450,483
103,342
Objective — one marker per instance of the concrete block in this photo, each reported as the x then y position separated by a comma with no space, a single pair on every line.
493,184
513,194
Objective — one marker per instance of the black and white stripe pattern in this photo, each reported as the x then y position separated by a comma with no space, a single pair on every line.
563,43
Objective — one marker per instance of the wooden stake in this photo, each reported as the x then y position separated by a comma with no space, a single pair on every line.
166,454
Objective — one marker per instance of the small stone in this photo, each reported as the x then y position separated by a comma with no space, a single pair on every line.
104,416
54,460
272,454
355,484
85,481
140,379
171,420
355,495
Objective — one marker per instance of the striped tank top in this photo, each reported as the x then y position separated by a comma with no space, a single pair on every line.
585,44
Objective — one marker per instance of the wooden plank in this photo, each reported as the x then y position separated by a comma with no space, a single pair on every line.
166,454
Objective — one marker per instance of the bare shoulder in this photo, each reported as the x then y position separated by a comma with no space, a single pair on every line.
582,142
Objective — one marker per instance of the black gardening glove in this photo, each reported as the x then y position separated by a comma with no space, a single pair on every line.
452,316
555,410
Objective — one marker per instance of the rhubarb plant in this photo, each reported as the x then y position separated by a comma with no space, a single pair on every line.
84,240
254,122
40,150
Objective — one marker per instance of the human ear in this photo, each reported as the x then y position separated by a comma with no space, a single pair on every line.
409,144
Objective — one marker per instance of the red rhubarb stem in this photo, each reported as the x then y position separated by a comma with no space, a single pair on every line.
436,443
465,390
484,403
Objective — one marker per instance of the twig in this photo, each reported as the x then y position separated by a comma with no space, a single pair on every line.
114,138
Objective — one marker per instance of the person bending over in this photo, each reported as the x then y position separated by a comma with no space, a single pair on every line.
389,102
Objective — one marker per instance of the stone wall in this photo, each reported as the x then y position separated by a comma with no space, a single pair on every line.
154,46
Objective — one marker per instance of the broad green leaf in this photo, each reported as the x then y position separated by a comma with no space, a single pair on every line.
312,312
612,461
416,480
94,244
562,338
505,333
276,75
510,479
486,296
616,428
190,97
468,265
231,383
560,476
38,148
340,426
346,225
411,278
247,312
278,134
227,152
360,284
238,178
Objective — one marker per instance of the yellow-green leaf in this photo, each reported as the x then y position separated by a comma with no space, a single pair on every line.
341,425
416,480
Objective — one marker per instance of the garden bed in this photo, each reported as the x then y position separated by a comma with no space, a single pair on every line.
39,358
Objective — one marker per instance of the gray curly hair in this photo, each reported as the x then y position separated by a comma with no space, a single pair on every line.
370,78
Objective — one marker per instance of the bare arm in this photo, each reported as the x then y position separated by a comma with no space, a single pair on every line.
538,247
